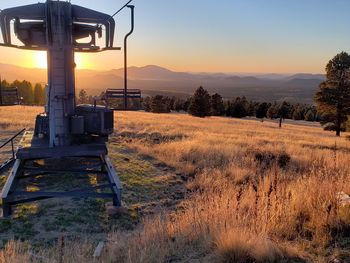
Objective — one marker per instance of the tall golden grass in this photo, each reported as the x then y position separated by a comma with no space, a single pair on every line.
256,193
18,117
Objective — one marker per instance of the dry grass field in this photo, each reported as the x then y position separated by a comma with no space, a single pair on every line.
202,190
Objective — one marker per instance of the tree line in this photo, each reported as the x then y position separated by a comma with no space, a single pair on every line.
202,104
332,102
29,94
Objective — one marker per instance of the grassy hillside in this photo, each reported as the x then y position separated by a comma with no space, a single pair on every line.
199,190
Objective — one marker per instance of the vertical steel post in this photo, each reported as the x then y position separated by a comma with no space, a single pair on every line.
61,73
132,8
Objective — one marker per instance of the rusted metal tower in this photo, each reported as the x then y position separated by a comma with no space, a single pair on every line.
65,130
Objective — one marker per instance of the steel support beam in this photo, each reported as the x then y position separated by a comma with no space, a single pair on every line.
113,179
9,186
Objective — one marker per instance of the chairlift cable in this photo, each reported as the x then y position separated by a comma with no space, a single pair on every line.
121,8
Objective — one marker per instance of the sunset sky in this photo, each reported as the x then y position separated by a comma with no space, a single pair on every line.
217,36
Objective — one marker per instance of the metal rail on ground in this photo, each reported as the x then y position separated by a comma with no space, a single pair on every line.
11,160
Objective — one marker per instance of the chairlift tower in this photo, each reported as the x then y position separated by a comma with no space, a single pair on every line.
65,130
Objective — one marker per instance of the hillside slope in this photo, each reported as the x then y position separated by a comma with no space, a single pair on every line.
252,191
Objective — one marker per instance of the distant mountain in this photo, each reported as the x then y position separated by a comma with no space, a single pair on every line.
11,73
153,79
305,76
152,72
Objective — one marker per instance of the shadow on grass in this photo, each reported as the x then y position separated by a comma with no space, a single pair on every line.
147,187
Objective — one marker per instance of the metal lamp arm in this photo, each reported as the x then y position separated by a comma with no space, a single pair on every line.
132,8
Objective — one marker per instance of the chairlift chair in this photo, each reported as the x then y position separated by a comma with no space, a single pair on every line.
9,96
116,99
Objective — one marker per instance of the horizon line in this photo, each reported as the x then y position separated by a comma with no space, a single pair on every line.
182,71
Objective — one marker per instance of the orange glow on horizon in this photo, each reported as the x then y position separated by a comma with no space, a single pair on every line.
38,59
82,61
105,61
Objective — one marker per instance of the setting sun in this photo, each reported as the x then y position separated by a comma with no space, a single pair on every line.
81,61
39,60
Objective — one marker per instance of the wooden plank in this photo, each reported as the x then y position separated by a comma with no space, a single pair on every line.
51,170
114,178
42,194
58,152
9,182
113,172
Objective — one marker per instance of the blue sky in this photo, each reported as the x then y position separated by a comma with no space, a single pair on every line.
227,36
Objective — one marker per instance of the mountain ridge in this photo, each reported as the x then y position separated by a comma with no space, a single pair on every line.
153,79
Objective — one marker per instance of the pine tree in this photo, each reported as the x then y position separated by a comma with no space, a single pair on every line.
261,111
179,105
200,103
186,104
39,95
25,91
4,83
333,96
347,125
252,106
171,102
160,104
238,108
298,112
246,105
283,111
146,104
272,111
217,105
309,116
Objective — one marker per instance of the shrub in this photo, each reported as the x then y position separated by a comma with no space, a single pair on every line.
200,103
242,247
